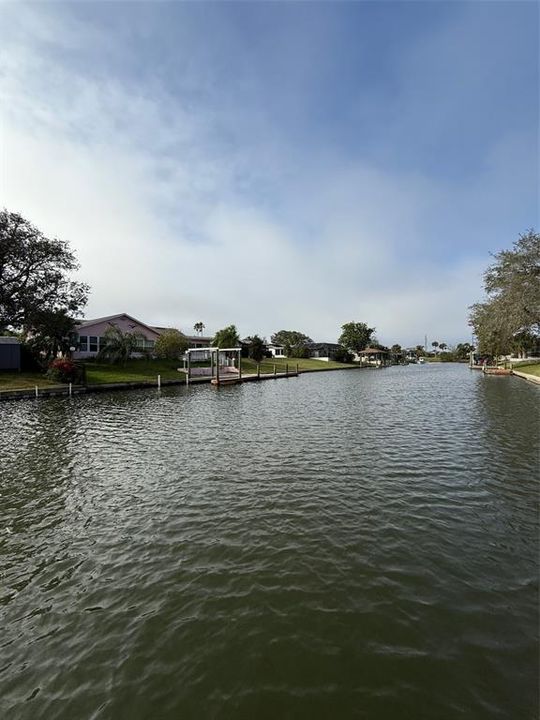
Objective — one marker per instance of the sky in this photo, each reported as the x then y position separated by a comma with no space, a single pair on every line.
276,165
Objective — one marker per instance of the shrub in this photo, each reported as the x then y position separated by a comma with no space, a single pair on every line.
63,370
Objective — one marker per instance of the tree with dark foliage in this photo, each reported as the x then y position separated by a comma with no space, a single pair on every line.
34,275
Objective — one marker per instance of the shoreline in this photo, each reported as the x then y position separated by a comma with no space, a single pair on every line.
64,390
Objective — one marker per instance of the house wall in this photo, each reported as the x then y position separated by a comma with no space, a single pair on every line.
97,330
276,352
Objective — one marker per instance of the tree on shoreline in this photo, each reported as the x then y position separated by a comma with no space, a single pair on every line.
512,306
355,336
293,342
34,275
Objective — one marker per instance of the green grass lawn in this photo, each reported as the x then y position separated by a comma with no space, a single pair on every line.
533,369
147,371
267,365
133,371
23,381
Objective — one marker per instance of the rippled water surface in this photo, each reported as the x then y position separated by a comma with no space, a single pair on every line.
357,544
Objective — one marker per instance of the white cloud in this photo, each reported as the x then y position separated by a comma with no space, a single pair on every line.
167,229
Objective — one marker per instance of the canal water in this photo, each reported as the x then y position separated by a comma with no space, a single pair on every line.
359,544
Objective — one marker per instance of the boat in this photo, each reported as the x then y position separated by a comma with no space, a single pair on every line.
421,360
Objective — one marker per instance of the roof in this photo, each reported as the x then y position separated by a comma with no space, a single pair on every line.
315,345
87,323
372,351
9,340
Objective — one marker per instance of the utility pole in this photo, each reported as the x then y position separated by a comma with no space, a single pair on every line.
425,343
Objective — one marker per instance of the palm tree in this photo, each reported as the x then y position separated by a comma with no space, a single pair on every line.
119,346
443,346
435,345
199,328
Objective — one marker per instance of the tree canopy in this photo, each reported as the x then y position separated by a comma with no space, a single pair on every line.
256,348
293,342
171,344
34,274
355,336
226,337
512,307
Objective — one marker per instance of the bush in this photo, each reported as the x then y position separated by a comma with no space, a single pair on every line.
64,370
342,355
170,345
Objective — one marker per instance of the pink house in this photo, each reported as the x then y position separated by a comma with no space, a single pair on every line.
91,332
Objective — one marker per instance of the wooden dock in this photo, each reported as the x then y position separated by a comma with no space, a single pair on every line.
227,379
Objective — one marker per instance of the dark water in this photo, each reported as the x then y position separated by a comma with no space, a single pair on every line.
358,544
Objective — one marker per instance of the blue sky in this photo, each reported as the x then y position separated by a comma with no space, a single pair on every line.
276,165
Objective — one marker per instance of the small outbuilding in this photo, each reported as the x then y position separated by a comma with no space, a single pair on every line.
10,353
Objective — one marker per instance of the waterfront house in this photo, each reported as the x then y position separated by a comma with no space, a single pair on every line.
90,334
276,351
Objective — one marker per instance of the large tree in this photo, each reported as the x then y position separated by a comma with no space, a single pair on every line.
355,336
227,337
512,305
293,341
35,274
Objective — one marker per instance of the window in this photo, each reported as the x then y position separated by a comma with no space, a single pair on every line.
83,343
93,344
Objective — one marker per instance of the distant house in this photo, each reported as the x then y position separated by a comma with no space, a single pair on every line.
10,353
324,351
90,334
277,351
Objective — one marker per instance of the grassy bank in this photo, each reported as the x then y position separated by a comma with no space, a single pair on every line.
533,369
132,371
141,370
267,365
147,371
24,381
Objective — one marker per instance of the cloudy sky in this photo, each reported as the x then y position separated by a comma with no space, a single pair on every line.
276,165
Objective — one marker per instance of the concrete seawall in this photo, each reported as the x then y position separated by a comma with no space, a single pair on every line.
525,376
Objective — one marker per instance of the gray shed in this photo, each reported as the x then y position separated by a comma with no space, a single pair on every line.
10,353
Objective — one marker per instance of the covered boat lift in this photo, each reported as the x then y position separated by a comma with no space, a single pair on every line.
218,377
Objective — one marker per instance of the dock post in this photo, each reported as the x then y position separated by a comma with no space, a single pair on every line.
70,389
159,381
258,371
239,364
297,368
36,391
274,369
286,369
217,367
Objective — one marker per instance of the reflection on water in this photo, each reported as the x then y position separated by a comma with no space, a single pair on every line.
357,544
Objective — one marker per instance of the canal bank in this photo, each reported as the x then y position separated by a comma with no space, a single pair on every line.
66,390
